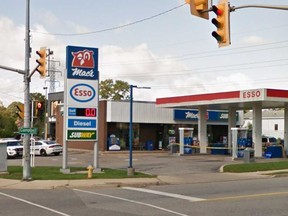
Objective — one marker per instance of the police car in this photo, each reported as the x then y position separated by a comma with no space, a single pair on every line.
14,147
46,147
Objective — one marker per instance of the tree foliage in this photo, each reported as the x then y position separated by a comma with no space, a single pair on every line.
114,90
8,125
10,122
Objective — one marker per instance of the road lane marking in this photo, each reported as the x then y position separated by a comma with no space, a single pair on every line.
247,196
178,196
132,201
34,204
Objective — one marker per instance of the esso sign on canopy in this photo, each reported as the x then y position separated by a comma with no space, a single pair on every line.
252,94
82,92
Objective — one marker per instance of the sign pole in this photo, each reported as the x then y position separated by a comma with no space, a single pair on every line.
65,168
96,150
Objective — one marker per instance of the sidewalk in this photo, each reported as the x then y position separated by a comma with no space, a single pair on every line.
136,182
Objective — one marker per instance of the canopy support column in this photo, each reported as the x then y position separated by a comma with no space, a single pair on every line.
257,128
202,129
231,124
286,128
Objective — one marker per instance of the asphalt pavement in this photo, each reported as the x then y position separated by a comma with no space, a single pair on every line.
170,169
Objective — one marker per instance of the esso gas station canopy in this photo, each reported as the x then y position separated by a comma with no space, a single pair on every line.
254,99
244,99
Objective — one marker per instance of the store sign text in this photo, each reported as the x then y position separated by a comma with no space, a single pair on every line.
81,135
251,94
82,92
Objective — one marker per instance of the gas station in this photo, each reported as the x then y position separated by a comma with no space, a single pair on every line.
253,99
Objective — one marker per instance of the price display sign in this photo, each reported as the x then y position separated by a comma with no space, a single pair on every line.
82,112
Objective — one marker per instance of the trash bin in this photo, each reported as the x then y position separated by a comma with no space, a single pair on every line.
218,149
149,145
248,155
275,151
174,148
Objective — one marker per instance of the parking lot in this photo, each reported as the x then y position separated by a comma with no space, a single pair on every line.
170,168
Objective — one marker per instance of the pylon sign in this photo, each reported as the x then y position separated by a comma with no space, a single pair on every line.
81,93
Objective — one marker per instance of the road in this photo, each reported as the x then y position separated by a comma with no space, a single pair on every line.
250,197
188,196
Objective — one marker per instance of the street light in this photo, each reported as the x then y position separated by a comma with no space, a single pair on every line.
130,170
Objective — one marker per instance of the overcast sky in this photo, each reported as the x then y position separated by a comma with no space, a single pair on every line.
173,53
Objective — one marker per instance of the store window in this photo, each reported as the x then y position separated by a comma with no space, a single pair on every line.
122,132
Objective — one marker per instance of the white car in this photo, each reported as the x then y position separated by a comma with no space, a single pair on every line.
46,147
14,147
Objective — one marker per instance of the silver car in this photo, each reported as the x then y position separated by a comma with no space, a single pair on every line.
268,141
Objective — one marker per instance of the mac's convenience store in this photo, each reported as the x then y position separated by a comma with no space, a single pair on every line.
150,124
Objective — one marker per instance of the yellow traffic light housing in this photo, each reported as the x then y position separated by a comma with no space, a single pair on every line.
42,62
197,7
222,23
20,112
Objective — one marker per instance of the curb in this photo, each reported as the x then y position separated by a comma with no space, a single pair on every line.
84,183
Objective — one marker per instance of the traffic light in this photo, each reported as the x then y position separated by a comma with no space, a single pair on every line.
222,22
197,7
20,112
39,106
42,62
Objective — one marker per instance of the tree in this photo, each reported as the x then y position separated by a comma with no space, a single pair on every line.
8,126
118,90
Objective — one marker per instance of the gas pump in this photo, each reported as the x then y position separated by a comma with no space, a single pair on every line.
241,139
186,140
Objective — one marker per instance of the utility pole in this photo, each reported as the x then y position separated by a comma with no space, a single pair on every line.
26,142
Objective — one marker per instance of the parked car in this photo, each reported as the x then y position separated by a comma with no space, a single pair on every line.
14,147
46,147
268,141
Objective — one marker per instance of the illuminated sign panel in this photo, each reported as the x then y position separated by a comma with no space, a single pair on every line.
81,94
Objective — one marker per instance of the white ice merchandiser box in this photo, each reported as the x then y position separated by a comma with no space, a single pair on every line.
3,157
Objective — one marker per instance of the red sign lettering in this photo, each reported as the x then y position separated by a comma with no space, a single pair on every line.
251,94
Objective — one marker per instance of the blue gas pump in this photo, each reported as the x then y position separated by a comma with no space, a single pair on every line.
241,139
244,140
186,140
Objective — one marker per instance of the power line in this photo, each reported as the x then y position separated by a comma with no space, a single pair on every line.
202,54
116,27
210,69
228,83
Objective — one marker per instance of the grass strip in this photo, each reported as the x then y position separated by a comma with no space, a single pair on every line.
53,173
254,167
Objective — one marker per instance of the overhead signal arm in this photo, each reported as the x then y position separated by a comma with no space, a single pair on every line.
200,8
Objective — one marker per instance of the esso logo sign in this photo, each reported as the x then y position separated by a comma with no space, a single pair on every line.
253,94
82,92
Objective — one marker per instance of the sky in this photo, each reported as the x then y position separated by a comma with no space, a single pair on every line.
151,43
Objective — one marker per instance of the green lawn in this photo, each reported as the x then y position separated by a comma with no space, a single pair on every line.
53,173
253,167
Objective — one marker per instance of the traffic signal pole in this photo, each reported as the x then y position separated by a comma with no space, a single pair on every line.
27,79
26,141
